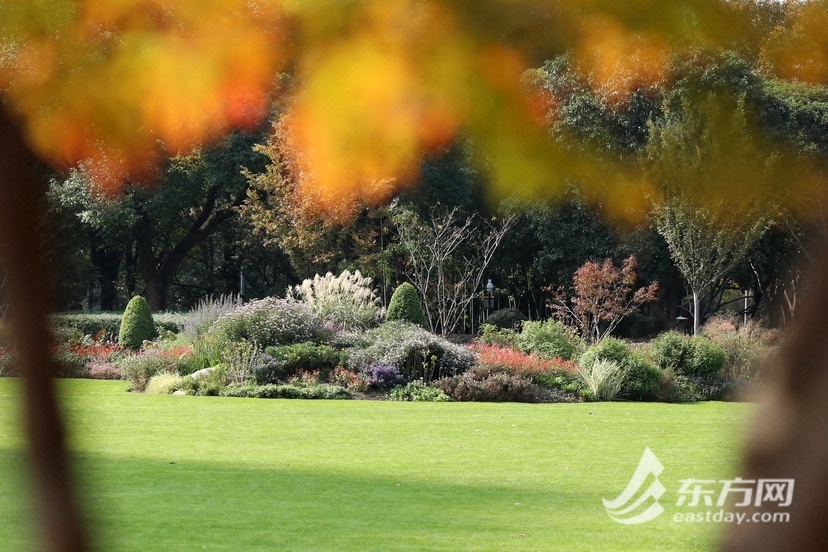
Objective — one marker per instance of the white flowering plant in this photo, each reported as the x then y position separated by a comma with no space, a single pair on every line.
347,301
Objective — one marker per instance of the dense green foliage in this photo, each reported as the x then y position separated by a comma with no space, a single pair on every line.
137,324
286,361
550,339
606,349
689,356
506,318
109,323
644,379
406,305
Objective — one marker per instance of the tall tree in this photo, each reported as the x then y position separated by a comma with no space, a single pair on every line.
706,245
197,193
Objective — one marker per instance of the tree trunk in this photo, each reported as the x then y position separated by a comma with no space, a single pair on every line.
29,283
696,313
158,292
107,263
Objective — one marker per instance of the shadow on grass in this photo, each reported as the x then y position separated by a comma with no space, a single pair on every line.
150,505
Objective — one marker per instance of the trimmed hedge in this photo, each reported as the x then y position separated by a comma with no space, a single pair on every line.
109,323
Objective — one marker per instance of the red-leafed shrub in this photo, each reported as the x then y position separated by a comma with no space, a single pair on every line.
505,359
554,373
96,352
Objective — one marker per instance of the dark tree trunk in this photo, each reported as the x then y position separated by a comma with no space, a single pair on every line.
158,273
107,263
29,282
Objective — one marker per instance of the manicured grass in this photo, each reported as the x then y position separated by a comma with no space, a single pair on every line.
201,473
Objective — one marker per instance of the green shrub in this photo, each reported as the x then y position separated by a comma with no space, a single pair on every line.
405,305
417,391
603,378
489,387
506,319
269,321
347,301
209,385
694,357
282,363
549,339
608,348
671,350
137,324
286,391
707,361
644,379
170,322
678,388
414,351
492,335
163,384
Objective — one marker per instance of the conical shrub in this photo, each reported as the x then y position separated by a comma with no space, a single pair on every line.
137,324
405,305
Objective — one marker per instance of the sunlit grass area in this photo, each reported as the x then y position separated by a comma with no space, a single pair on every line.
203,473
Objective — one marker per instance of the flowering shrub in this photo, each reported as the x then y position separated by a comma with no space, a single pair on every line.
104,371
269,321
207,311
414,351
491,387
383,376
352,381
347,301
551,373
270,369
97,352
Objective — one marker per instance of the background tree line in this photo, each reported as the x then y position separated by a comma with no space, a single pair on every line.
234,216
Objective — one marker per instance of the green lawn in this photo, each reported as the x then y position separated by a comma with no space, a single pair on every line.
202,473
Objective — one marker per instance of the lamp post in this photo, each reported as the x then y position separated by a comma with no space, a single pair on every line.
488,296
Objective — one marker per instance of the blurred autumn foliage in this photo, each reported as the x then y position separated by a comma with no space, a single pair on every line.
120,84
